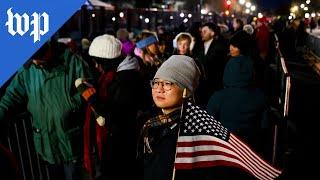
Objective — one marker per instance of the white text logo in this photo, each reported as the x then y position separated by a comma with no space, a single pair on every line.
39,24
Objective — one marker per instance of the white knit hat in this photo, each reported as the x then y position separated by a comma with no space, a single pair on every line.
105,46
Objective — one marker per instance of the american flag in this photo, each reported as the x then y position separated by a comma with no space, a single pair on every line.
204,142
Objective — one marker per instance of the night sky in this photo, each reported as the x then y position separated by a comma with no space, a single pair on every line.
273,4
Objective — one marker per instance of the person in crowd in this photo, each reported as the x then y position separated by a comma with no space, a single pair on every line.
237,25
117,98
213,56
165,39
302,34
183,44
288,40
240,106
253,52
147,42
150,59
312,24
127,44
46,85
195,31
263,37
163,47
172,141
249,29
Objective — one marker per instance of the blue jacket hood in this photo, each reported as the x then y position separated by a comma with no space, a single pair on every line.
238,72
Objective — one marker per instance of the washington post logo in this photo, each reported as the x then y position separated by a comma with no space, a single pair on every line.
39,24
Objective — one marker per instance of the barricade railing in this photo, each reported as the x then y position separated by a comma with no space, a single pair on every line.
283,81
20,142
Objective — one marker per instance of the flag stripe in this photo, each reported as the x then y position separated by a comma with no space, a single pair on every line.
194,141
254,162
226,148
211,161
235,141
204,142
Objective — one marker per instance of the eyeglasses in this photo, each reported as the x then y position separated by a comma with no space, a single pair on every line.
166,85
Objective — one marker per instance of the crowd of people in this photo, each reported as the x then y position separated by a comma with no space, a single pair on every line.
116,106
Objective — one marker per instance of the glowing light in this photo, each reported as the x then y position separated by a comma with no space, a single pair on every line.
113,19
147,20
308,1
247,11
306,8
204,11
260,15
171,17
290,17
253,8
93,15
302,6
228,2
248,4
306,15
242,2
140,17
182,14
185,20
227,12
121,14
210,13
189,15
294,9
313,14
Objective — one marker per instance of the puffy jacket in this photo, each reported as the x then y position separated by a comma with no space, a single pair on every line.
54,104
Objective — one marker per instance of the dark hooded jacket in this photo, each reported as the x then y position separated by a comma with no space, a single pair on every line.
239,106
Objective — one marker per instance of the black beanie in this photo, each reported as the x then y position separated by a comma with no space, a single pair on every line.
241,40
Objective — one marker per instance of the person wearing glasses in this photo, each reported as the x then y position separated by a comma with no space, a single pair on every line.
177,73
173,88
175,81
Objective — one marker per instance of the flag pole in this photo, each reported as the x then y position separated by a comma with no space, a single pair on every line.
184,96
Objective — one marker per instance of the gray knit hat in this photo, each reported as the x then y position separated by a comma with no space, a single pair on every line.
181,70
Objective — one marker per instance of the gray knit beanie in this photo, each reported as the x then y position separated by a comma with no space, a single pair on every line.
181,70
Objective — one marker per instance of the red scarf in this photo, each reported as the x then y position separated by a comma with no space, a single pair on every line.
101,131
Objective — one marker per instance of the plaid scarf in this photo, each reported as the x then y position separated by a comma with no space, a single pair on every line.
168,120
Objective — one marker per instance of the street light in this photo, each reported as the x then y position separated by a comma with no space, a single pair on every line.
253,8
121,14
248,4
242,2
